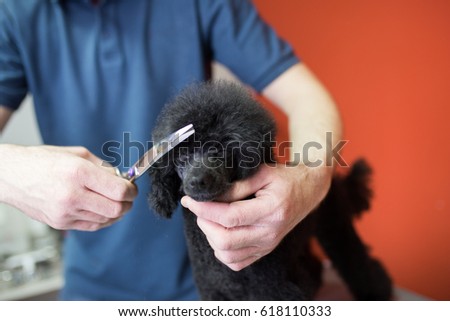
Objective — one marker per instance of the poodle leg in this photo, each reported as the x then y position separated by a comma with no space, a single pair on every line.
348,197
365,276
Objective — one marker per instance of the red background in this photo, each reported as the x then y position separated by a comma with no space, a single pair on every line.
387,64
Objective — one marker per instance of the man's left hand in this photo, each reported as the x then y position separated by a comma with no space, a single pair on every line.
241,230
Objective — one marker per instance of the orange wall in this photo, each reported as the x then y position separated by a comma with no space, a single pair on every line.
387,64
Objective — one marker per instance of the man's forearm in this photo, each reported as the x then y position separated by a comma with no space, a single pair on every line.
312,114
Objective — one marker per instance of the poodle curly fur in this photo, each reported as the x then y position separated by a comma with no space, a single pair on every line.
232,138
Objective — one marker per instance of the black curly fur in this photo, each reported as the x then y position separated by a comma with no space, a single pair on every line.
231,127
348,198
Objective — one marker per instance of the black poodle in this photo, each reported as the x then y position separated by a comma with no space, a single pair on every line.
232,138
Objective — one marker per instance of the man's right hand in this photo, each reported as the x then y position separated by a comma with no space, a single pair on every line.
64,187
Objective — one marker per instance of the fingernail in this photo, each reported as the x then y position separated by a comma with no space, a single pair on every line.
184,201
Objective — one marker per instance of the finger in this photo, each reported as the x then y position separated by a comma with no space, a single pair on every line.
84,153
237,256
88,222
104,183
96,203
87,226
91,217
240,213
248,187
110,169
243,264
224,239
79,151
105,207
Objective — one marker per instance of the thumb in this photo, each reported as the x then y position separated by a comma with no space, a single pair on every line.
245,188
88,155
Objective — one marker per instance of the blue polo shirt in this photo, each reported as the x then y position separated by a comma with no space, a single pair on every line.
99,75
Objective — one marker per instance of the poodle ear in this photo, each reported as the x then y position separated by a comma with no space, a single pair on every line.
165,189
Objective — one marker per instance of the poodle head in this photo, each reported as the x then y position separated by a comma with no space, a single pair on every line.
234,134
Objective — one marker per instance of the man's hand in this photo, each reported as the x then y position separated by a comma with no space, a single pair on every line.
64,187
242,231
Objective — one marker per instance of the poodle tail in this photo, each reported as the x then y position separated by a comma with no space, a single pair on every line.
348,198
355,189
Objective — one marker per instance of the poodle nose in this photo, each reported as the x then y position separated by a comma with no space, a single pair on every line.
201,182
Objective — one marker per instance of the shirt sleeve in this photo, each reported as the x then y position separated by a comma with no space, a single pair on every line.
13,85
242,41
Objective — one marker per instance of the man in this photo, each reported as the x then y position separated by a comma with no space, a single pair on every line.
100,71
